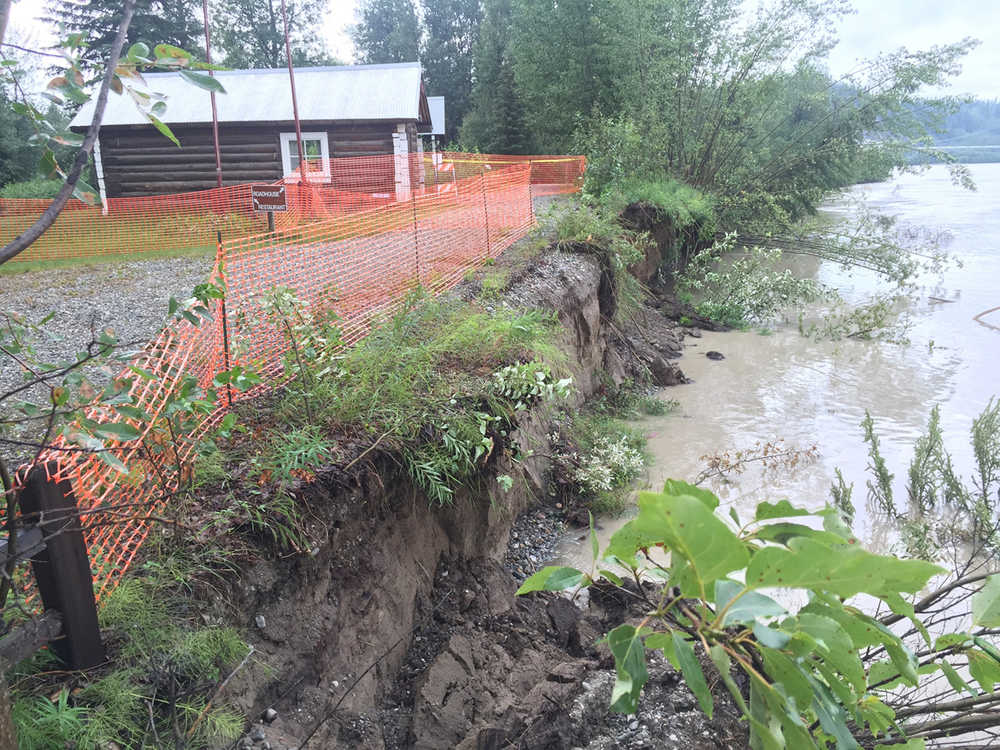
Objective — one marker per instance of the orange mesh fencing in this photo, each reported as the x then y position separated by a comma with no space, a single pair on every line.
357,264
550,175
189,221
160,223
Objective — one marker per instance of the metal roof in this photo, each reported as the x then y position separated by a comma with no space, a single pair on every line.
436,105
348,92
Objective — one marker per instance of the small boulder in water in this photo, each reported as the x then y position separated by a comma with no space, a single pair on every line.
715,355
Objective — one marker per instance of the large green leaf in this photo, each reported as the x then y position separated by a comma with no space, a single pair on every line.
765,727
626,645
723,663
747,608
677,487
693,676
789,674
838,650
122,431
843,569
552,578
628,540
866,631
986,604
877,715
770,637
784,531
163,128
664,642
832,716
984,669
203,81
954,679
692,531
780,509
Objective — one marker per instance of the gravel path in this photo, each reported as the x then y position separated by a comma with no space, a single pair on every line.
128,297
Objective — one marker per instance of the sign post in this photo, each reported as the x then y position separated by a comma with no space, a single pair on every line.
269,198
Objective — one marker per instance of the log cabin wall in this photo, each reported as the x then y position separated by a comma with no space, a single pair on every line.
139,161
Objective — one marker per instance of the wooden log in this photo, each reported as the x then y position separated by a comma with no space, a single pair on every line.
28,637
29,542
8,734
156,156
245,173
62,569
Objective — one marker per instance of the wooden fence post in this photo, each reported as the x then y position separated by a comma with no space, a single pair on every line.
62,569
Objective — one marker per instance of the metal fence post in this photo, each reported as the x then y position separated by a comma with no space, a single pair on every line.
222,313
486,211
416,235
62,568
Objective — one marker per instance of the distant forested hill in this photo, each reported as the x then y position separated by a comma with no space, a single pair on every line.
973,127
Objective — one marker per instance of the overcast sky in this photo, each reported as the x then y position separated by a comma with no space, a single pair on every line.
878,26
885,25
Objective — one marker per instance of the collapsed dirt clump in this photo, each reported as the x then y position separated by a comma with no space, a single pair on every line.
488,670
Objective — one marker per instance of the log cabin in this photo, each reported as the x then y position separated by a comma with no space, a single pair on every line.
351,110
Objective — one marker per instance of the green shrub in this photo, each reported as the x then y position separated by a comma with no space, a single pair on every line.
682,204
34,188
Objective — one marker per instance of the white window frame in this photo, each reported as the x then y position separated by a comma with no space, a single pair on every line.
324,147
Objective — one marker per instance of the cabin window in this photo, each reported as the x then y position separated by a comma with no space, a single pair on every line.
315,148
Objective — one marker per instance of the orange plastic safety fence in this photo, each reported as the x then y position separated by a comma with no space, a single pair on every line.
357,264
334,187
160,223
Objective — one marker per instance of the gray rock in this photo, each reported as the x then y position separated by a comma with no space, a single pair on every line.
260,621
257,734
270,715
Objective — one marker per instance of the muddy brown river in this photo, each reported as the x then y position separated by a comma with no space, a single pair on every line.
781,386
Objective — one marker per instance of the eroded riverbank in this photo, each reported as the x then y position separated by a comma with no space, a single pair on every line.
783,388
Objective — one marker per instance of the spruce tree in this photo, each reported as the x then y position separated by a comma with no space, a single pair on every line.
251,32
388,32
176,22
452,28
495,121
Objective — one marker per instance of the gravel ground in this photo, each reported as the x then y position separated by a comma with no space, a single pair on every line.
533,540
129,297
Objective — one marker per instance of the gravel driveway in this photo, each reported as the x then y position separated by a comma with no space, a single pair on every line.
128,297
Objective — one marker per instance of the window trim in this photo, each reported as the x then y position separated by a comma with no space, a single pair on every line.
307,135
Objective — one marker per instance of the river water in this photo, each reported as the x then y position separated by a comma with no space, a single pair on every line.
782,386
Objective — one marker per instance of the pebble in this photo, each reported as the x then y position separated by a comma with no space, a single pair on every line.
270,715
257,734
260,621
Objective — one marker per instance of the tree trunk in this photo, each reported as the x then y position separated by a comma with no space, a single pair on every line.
8,737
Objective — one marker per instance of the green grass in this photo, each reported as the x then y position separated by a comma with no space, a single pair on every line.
630,400
157,648
421,385
684,205
494,284
13,267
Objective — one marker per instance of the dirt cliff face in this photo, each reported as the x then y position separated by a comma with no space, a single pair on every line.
401,629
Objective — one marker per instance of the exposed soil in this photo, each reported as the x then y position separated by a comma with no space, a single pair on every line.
402,630
488,670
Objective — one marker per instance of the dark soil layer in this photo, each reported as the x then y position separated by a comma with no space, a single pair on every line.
488,670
